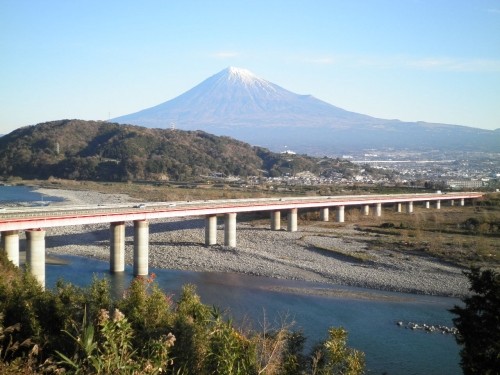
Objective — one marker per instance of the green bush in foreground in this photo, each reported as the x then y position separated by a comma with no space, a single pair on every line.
83,331
478,324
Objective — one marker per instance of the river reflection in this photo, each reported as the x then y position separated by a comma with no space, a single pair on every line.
369,316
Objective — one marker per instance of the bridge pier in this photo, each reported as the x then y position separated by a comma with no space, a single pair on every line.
427,204
210,230
324,214
398,207
409,207
10,244
117,247
141,247
275,220
35,254
462,202
340,214
438,205
292,220
452,202
230,229
366,210
378,210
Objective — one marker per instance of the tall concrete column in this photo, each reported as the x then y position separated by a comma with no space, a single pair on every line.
117,247
340,214
438,205
324,214
427,204
141,247
462,202
230,229
275,220
292,220
10,244
35,254
366,209
452,202
409,207
378,209
210,230
398,207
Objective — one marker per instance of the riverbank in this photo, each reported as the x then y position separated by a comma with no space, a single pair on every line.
314,253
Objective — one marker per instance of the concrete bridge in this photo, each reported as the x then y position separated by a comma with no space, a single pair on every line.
34,220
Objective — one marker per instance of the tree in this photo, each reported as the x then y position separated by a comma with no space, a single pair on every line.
478,324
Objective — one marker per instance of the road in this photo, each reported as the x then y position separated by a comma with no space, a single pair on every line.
14,218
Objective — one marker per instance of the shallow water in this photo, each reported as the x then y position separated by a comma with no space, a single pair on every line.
23,194
370,321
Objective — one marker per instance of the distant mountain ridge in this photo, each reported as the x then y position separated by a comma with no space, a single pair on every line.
236,103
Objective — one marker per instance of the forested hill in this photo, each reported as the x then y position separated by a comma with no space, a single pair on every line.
89,150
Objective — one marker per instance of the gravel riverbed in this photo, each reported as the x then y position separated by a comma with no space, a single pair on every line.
313,253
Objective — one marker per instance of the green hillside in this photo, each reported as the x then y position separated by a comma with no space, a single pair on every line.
90,150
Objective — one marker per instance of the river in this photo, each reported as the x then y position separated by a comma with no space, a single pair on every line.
370,316
23,195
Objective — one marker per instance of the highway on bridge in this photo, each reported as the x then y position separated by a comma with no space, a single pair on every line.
15,218
34,220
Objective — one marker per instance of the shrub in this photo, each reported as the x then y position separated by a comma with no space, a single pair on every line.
334,357
478,324
191,328
148,309
106,348
229,352
83,331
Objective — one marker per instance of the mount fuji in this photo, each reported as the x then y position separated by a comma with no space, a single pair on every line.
237,103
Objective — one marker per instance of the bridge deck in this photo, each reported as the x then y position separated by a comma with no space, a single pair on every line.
45,217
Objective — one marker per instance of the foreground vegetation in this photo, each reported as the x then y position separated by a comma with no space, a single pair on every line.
84,331
478,323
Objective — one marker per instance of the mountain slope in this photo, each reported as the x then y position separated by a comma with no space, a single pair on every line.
236,103
236,97
90,150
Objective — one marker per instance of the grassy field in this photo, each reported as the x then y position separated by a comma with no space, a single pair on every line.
466,236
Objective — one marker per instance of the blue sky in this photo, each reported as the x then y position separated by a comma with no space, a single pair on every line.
414,60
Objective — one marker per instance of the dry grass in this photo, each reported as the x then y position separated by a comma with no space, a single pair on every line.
441,233
158,192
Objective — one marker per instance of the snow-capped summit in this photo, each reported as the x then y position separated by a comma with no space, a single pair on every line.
237,103
235,97
240,81
241,74
244,76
